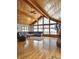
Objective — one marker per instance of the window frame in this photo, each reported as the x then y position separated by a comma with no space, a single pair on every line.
43,26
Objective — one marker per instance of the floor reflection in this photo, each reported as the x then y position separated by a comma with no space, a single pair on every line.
39,48
46,43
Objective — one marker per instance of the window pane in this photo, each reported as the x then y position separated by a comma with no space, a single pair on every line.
51,22
46,26
46,31
23,30
35,29
22,27
40,21
40,27
27,29
53,31
52,26
46,21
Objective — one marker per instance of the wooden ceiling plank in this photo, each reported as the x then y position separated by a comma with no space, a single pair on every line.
26,14
36,6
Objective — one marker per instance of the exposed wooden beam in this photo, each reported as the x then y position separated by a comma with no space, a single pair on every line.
33,4
36,20
36,6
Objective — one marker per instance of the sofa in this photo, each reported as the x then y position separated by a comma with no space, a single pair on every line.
37,34
21,36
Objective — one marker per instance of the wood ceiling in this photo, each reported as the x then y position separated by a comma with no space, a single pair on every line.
28,11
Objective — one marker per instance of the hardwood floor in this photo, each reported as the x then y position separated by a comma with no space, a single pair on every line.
34,48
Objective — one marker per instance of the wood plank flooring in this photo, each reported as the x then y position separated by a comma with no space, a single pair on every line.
38,49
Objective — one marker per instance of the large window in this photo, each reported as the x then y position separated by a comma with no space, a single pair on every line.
46,21
24,28
35,28
41,28
52,22
46,31
46,26
40,21
53,29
